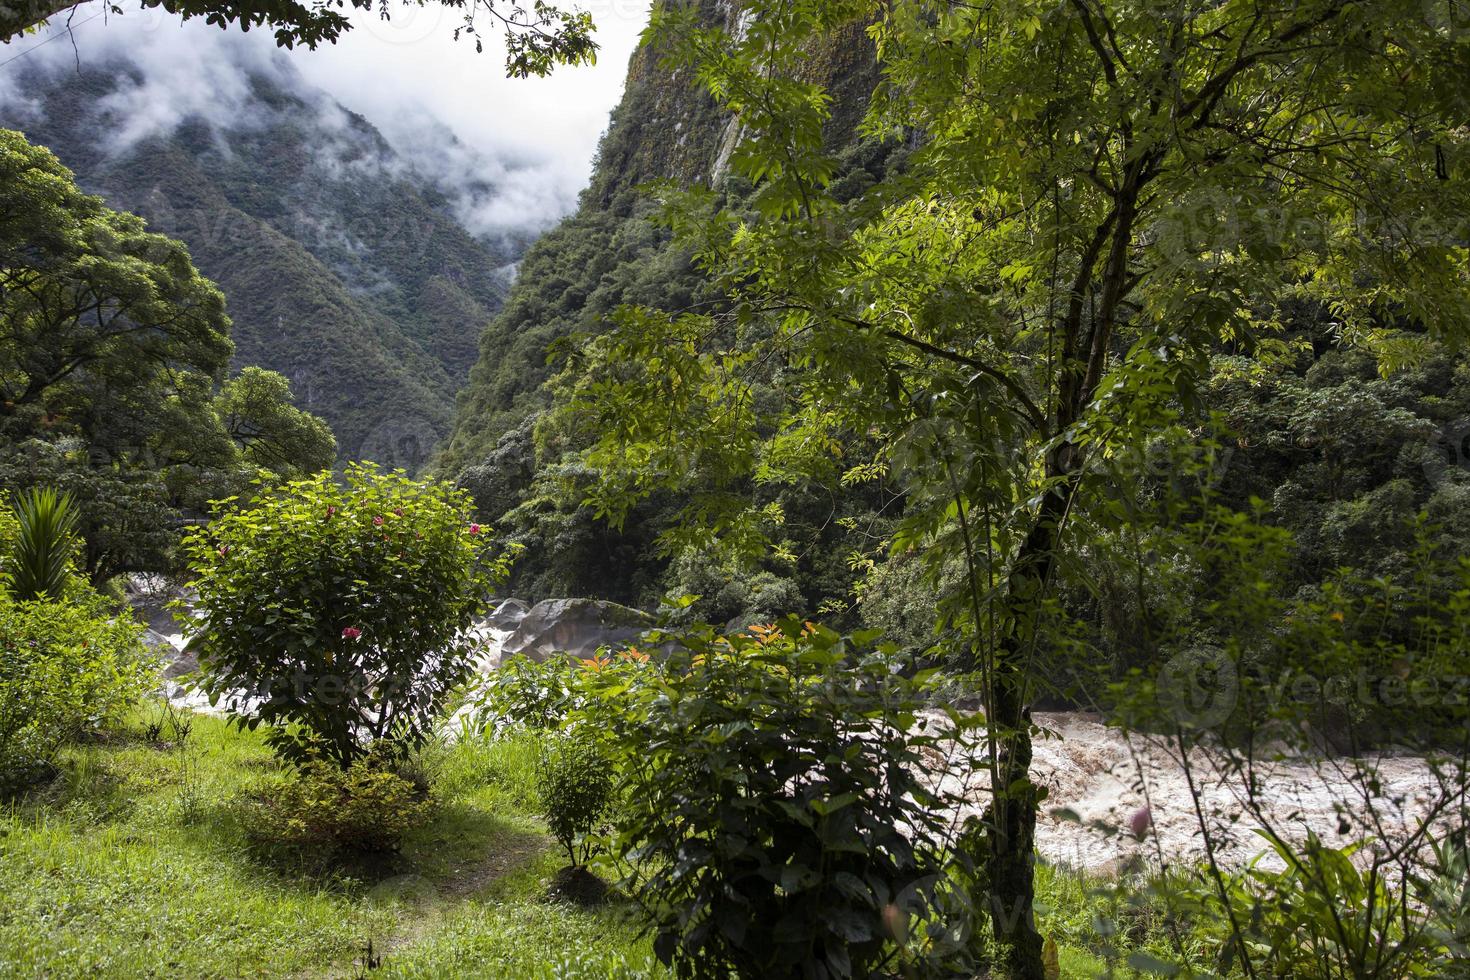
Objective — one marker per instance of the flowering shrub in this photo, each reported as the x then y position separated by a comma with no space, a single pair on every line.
771,821
340,614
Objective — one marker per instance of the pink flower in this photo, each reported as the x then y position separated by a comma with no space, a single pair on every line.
398,511
351,633
378,521
332,509
474,529
224,550
1140,822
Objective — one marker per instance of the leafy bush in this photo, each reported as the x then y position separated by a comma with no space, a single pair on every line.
1321,916
773,823
1350,661
344,611
9,537
726,594
1441,885
326,810
64,667
45,545
575,783
524,693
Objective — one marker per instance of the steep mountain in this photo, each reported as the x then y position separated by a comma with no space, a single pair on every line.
608,253
344,268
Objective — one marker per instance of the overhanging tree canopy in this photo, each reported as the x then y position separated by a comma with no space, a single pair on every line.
88,292
256,412
536,39
1103,192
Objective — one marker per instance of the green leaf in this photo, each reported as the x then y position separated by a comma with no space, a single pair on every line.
1152,965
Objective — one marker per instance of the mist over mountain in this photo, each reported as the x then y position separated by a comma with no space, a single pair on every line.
349,266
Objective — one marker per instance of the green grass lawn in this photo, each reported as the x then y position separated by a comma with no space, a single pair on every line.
133,862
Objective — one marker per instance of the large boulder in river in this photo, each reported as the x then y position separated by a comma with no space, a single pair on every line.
508,615
173,659
576,627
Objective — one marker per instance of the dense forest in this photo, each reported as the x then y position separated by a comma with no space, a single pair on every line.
1345,453
344,270
971,491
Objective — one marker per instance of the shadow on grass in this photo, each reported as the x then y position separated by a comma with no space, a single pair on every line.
466,848
195,796
460,853
579,886
86,788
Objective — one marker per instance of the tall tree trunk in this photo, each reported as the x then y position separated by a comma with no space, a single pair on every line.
1015,797
1012,830
1012,895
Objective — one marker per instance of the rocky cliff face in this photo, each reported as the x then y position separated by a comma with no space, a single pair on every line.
666,127
609,253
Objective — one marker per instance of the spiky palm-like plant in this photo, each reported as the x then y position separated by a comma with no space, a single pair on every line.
41,565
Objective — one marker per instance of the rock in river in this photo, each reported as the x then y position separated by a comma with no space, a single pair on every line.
576,627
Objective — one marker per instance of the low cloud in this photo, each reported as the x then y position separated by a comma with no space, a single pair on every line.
511,154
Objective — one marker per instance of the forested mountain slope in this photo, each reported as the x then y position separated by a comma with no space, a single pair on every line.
609,252
344,269
612,252
1342,455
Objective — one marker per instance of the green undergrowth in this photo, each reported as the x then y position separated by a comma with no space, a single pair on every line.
136,861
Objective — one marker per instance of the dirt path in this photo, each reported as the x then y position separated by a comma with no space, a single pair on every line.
423,905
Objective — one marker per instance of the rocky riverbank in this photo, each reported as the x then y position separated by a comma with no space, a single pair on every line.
1115,802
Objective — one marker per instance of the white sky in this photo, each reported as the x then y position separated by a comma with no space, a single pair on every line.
399,75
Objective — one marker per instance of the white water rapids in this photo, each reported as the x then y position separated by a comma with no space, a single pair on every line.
1105,779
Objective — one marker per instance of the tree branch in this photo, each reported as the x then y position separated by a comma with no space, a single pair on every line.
1010,384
